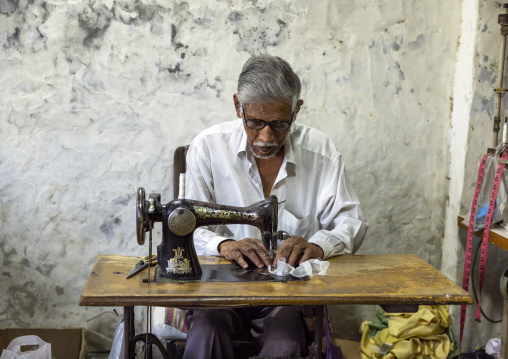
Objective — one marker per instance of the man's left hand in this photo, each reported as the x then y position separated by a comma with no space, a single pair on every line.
297,250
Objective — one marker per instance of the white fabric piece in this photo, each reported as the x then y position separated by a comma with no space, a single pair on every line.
318,202
308,268
282,268
163,330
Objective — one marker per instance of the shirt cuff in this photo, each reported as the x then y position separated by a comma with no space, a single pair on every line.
329,249
213,243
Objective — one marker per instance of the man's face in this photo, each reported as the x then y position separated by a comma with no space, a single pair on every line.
266,142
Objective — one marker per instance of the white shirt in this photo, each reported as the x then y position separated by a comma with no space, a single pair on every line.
318,202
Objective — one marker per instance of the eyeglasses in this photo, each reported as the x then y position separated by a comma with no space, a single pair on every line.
260,124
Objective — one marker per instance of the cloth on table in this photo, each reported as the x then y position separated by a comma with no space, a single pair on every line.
306,269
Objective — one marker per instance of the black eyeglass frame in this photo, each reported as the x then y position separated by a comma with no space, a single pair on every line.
271,123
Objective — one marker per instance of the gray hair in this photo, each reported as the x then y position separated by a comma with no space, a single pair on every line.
266,78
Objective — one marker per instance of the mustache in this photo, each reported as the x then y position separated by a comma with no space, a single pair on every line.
265,144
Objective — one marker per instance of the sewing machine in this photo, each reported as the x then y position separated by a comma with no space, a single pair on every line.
176,256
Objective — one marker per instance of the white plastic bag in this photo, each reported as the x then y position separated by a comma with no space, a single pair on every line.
493,347
499,214
117,350
13,351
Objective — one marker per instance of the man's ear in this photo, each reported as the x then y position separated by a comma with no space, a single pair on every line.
299,104
237,106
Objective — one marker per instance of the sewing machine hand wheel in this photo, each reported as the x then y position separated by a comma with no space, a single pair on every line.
142,222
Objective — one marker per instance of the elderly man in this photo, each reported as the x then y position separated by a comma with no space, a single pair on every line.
262,153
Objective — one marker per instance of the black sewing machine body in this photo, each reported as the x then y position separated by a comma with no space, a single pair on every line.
176,255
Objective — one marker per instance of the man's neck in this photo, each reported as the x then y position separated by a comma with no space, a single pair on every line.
269,169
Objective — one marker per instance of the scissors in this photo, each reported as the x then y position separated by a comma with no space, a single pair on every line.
142,264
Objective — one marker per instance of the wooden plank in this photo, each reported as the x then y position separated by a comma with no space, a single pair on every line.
497,235
372,279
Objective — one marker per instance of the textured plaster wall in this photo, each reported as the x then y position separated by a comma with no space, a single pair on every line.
96,95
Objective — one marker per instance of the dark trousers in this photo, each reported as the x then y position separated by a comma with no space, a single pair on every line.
276,331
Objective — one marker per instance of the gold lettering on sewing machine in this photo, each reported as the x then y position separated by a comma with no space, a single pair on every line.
178,264
206,212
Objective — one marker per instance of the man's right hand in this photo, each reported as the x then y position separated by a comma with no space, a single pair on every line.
250,248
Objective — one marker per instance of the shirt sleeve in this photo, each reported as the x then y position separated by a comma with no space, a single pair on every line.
199,186
342,223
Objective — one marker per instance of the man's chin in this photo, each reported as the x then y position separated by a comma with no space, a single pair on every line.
262,154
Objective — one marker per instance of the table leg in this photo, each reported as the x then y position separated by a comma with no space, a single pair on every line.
128,330
319,330
504,334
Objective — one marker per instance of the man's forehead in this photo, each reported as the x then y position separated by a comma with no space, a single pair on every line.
270,108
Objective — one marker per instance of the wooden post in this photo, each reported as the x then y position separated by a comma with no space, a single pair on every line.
319,329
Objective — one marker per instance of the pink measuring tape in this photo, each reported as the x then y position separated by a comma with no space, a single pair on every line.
485,240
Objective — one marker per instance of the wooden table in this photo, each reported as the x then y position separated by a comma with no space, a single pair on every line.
396,282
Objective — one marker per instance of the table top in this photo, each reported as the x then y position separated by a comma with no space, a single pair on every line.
359,279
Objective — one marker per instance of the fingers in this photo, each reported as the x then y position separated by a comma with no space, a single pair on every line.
246,248
291,249
296,253
255,251
283,252
307,254
297,250
238,257
256,255
279,254
311,251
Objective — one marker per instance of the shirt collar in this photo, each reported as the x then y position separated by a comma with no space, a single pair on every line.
288,149
243,141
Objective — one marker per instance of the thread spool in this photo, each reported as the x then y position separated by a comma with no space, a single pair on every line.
181,187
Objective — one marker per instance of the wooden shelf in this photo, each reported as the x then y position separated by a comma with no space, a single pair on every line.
498,235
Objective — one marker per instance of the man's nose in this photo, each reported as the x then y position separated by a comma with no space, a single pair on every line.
266,134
